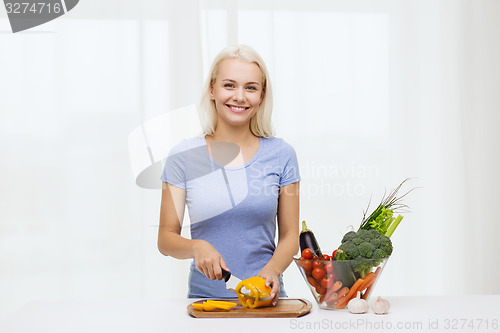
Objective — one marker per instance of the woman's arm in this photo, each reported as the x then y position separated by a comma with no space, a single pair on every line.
171,243
288,237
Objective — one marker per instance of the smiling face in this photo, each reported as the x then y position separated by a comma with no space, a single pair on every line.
237,91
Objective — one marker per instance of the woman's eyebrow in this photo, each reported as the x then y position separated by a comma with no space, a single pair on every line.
233,81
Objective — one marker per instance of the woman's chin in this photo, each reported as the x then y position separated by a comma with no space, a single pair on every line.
236,119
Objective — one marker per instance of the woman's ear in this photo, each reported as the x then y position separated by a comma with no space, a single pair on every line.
212,91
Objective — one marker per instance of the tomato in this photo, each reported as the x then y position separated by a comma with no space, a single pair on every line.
333,254
307,254
318,273
327,282
306,265
312,282
328,268
321,290
317,263
325,257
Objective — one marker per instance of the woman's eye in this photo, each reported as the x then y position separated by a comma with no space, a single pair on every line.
229,85
251,88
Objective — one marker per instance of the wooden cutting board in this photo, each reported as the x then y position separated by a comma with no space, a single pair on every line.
285,308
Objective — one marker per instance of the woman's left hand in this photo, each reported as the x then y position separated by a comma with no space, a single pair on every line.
272,280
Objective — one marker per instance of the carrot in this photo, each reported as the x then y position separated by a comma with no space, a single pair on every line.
334,297
326,296
343,301
336,286
329,293
369,288
368,281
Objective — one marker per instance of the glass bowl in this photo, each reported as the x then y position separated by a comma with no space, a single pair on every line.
334,283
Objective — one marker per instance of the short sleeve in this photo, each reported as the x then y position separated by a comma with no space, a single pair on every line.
288,159
174,168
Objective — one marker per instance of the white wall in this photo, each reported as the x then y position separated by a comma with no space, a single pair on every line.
368,92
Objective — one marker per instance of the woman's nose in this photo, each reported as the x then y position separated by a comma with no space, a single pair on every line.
239,95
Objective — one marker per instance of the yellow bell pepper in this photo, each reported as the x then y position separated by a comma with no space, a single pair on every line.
222,304
258,290
210,305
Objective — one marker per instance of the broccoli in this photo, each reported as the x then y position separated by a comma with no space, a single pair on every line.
357,240
366,235
376,242
374,233
340,255
366,249
349,236
362,266
379,254
386,245
350,249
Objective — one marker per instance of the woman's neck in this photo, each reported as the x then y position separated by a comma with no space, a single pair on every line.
247,142
238,135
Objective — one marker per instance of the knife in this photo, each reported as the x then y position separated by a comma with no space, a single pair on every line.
233,281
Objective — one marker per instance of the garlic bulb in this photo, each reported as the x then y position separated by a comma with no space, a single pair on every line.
357,305
381,306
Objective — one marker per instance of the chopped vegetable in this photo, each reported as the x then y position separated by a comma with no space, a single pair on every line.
210,305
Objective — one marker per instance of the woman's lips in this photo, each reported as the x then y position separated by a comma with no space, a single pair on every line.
237,109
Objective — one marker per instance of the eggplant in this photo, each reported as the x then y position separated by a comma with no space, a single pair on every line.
308,241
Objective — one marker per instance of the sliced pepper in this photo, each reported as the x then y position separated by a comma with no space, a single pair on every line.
210,305
222,304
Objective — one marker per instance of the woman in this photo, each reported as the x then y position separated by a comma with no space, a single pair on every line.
238,182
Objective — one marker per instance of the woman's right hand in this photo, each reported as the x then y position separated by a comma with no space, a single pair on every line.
208,260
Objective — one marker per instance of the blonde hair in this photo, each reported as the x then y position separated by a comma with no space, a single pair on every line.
260,123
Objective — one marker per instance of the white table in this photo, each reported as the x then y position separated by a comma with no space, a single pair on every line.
480,313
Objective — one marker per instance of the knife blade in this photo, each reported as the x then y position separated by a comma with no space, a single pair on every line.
231,280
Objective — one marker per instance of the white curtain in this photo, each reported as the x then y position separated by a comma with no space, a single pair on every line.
368,93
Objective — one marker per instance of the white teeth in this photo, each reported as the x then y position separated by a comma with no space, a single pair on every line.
235,108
